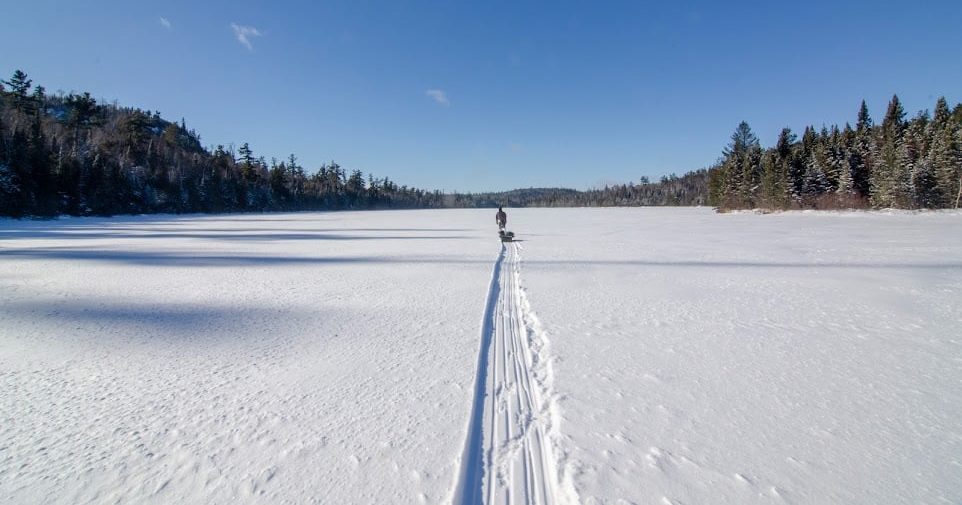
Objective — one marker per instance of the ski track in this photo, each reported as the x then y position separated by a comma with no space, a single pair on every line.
507,456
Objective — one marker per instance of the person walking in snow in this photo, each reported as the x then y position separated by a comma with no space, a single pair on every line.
501,218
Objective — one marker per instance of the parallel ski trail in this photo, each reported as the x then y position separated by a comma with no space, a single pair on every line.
507,457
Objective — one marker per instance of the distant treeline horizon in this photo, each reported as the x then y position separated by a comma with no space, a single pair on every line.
70,155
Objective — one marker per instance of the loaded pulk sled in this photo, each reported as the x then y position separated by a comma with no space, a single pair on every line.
506,236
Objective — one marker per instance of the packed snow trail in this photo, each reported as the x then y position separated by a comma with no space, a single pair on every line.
507,456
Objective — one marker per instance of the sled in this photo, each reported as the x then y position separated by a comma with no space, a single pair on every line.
506,236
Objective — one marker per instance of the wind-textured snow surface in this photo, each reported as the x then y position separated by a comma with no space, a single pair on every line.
805,358
299,358
612,356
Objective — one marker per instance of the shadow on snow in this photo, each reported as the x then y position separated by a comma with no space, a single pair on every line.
156,322
82,233
187,259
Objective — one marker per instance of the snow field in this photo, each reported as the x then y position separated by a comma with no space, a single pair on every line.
623,356
790,358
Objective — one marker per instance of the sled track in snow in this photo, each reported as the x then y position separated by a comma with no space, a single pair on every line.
507,455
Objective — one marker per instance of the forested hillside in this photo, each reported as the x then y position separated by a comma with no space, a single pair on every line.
901,163
72,155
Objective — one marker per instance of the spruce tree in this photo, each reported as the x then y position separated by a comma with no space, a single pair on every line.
864,120
925,185
21,181
945,159
803,153
742,158
942,114
247,163
38,101
82,110
785,161
19,91
9,187
890,179
814,182
43,184
958,160
278,175
772,189
894,120
883,182
297,177
863,154
917,182
847,164
355,187
825,157
942,156
717,177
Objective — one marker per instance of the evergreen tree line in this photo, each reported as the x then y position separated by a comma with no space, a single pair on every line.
908,164
72,155
69,154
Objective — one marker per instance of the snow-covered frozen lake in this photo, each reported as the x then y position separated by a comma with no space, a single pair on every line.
612,356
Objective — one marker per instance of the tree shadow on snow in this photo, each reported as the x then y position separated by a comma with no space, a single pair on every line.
226,234
181,259
155,322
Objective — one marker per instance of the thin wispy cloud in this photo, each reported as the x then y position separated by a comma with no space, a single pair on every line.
164,22
244,34
438,96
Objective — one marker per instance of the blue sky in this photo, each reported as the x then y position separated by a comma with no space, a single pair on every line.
494,95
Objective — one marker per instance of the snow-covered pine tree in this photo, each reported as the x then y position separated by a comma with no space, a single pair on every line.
815,181
836,158
785,159
741,171
863,153
944,156
889,180
803,153
774,180
847,163
912,149
825,145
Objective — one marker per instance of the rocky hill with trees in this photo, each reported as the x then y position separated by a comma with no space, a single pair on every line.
72,155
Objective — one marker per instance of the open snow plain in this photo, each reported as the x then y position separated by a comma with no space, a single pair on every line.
612,356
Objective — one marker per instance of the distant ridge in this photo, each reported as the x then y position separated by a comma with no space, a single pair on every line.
687,190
